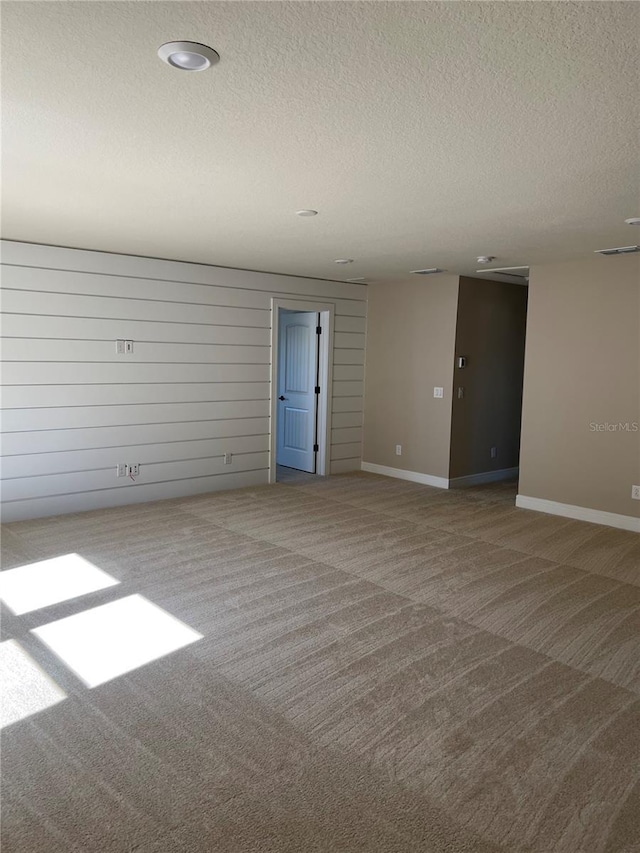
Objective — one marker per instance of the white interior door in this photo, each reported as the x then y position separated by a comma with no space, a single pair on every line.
297,398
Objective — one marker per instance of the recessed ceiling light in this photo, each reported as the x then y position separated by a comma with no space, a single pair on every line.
430,271
188,55
343,261
306,212
635,220
620,250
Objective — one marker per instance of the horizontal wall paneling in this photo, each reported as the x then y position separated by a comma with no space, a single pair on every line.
195,387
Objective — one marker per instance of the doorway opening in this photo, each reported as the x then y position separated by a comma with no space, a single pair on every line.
488,379
301,343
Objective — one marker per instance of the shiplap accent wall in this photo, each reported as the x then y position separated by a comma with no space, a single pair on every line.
196,386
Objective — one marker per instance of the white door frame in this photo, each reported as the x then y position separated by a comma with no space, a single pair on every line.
325,372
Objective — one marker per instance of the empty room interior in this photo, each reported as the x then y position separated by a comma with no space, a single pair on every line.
320,460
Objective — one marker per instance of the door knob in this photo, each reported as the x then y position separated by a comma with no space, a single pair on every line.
282,398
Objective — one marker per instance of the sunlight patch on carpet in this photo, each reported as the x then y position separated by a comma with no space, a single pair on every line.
26,688
48,582
107,641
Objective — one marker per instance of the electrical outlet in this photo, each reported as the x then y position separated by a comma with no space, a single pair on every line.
128,346
438,392
494,452
121,469
227,458
120,347
635,493
134,470
398,450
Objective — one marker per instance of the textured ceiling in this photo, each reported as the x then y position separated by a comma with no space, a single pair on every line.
425,133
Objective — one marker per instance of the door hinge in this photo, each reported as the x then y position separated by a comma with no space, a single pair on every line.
317,389
318,330
316,448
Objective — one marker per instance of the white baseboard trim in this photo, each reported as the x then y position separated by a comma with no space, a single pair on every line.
400,474
581,513
484,477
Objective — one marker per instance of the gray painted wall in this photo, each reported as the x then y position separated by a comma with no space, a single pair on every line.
582,385
410,348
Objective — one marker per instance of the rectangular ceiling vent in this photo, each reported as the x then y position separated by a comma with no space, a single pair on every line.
517,275
431,271
621,250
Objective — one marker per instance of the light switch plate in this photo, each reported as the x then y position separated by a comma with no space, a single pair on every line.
438,392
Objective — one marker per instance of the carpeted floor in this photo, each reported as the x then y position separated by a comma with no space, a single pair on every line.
383,667
292,476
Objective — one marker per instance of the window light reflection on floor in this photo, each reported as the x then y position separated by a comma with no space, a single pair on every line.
107,641
26,688
47,582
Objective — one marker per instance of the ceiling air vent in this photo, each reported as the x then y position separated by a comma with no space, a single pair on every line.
431,271
621,250
517,275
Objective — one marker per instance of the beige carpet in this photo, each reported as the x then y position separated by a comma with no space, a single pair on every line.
384,667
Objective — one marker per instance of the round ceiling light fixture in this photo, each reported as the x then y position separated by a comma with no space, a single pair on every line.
486,259
343,261
306,212
635,220
188,55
